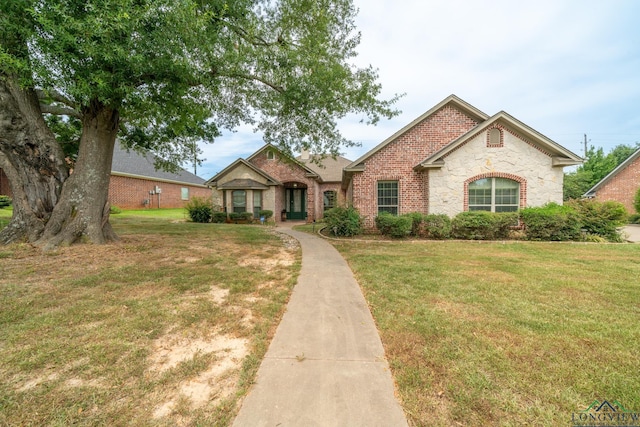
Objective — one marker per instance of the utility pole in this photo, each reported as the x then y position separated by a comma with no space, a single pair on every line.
585,145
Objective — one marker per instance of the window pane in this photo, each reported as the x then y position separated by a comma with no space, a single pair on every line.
257,203
184,193
503,197
239,201
388,196
329,200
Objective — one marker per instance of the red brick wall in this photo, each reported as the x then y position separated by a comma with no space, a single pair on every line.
5,189
622,187
130,193
396,161
287,173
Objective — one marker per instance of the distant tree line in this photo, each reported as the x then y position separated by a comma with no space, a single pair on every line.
596,166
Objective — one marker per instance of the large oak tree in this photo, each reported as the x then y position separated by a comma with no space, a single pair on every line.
159,74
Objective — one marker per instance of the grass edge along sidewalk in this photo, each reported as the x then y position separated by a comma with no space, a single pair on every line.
165,327
504,334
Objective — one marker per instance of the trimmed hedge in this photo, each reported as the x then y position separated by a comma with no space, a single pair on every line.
436,226
550,222
218,217
241,216
636,201
395,226
345,222
483,225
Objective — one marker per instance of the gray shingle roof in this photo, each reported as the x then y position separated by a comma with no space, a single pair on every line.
329,169
134,163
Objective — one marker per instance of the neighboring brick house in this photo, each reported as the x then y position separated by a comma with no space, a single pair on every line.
135,182
294,189
134,178
621,184
455,158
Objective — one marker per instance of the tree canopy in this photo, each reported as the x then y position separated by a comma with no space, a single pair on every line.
160,74
597,166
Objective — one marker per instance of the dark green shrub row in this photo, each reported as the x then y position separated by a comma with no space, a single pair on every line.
550,222
634,219
218,217
482,225
394,226
584,219
240,216
344,221
5,201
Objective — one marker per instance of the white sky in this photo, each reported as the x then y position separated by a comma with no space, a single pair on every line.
564,67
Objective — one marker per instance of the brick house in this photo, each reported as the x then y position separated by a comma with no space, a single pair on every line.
455,158
135,182
299,188
621,184
134,179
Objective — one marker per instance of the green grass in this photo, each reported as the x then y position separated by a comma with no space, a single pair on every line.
5,216
504,334
87,330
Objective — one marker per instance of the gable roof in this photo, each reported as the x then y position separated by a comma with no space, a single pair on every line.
560,155
328,168
309,172
632,158
134,164
232,166
453,100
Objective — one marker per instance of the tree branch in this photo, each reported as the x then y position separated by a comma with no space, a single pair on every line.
55,96
273,86
59,110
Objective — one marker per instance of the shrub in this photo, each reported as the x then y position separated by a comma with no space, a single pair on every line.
266,214
551,222
344,221
113,210
5,201
436,226
218,217
601,218
636,201
199,209
416,222
240,216
634,219
394,226
483,225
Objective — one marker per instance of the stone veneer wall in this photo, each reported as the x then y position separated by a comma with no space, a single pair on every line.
623,186
396,161
515,159
243,172
130,193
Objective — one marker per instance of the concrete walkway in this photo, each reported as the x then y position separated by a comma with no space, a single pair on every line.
632,233
326,364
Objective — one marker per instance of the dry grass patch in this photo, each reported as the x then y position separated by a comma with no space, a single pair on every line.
166,327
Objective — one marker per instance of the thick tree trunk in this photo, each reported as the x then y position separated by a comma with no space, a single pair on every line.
83,208
32,159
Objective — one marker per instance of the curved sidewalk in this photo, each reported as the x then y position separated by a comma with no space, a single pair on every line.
326,364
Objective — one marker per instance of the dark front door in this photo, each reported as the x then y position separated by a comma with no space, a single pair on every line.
296,199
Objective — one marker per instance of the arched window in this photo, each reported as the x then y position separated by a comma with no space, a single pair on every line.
494,195
330,199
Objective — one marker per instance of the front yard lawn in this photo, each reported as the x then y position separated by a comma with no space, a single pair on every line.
166,327
511,334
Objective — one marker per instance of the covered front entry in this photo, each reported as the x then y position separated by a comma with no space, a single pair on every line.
296,201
